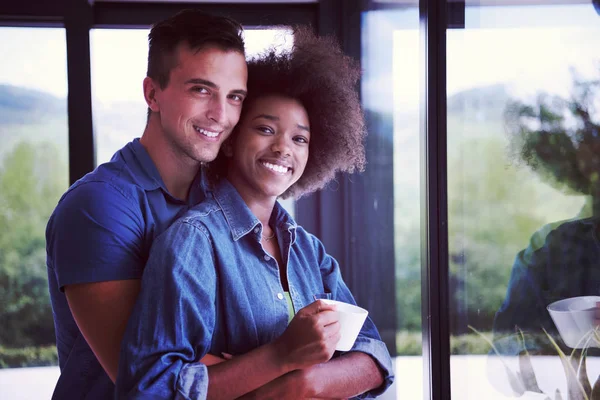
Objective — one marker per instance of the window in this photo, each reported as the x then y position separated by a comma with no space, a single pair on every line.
33,176
523,122
390,95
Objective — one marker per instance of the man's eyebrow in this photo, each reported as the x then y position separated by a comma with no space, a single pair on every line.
274,118
240,92
200,81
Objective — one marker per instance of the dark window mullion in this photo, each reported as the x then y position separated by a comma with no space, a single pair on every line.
78,21
434,226
143,15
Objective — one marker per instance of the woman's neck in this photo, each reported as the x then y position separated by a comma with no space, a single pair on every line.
262,209
259,204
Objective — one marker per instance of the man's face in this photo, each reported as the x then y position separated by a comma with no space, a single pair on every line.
202,101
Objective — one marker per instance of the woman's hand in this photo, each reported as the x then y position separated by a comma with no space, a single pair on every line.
311,336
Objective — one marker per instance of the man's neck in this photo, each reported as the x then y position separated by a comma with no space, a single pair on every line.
176,170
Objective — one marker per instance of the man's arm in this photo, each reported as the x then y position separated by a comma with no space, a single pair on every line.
101,311
343,377
97,236
95,248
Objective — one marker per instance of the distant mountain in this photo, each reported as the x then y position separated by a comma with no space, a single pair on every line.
485,103
27,114
33,116
19,105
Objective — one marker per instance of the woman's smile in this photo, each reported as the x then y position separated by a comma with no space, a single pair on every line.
270,150
275,167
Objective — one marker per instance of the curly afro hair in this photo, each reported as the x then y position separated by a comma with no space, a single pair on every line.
316,73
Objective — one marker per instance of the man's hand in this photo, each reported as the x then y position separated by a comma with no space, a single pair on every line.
209,359
311,336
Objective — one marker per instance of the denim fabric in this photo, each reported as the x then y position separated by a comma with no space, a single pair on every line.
209,287
102,230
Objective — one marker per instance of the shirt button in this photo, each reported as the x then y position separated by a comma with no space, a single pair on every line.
279,296
256,230
266,257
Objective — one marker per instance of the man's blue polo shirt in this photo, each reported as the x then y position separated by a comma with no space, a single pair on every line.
102,230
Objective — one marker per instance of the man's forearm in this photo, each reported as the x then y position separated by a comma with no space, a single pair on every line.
245,373
346,376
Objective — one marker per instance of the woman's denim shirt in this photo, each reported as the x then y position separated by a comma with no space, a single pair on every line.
209,287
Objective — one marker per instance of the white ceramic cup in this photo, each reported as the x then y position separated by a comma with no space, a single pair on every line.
575,319
351,321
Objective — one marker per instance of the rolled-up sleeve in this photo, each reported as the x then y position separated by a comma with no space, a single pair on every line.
379,352
368,340
173,320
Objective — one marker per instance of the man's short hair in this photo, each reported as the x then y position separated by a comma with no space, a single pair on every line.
195,28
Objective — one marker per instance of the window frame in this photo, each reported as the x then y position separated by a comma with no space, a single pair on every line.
326,213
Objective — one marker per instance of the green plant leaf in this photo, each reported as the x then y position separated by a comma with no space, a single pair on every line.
582,372
575,390
596,390
557,395
515,379
526,368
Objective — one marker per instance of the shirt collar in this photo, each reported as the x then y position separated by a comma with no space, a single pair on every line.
147,174
240,219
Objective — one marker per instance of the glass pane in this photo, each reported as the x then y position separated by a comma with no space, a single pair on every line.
523,88
33,175
390,93
118,105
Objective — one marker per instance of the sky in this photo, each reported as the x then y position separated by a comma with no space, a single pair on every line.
530,48
36,58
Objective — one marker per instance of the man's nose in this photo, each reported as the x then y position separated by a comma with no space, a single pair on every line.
217,110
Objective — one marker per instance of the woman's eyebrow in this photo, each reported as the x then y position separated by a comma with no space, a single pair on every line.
275,118
266,116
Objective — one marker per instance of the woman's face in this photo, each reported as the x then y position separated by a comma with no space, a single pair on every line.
270,149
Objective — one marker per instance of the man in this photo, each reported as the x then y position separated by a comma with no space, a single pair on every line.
99,236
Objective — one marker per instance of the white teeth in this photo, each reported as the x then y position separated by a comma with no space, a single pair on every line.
277,168
207,133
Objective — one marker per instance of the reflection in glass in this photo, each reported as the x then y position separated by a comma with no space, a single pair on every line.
33,175
523,121
390,93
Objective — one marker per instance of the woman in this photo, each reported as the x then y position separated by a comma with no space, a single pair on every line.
236,275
